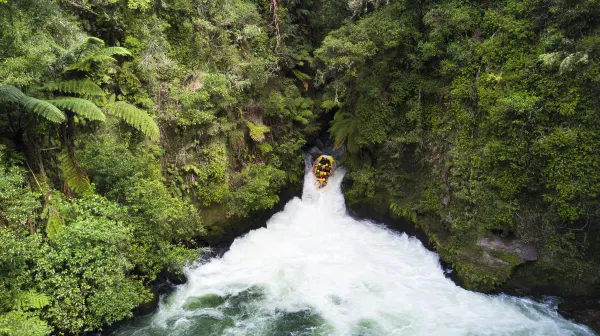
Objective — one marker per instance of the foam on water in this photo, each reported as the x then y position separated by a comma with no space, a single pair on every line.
316,271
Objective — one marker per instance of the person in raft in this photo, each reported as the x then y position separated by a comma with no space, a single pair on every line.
322,171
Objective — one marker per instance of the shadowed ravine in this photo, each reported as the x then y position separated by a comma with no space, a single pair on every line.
316,271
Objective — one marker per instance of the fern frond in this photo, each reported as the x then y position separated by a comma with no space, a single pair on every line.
111,51
82,107
301,75
11,94
257,132
345,130
91,40
54,221
30,300
135,117
81,87
73,173
86,63
44,109
41,107
89,46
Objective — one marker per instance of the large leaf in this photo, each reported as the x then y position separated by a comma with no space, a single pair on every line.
30,300
11,94
37,106
82,107
86,63
81,87
44,109
88,47
54,221
345,128
73,173
103,55
111,51
257,131
135,117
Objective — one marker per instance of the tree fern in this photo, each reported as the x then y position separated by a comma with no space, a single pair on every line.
103,55
73,173
30,300
44,109
82,87
345,128
135,117
257,132
82,107
54,221
112,51
40,107
89,46
11,94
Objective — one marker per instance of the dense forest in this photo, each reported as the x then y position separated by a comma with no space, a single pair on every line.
131,130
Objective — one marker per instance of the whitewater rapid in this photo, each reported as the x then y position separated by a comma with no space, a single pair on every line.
314,270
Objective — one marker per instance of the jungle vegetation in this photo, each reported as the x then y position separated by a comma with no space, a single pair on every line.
130,128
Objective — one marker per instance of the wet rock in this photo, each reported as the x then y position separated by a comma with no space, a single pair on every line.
205,301
314,151
489,259
525,251
583,310
148,307
176,278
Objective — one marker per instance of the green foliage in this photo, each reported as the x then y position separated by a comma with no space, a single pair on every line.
258,186
92,53
135,179
86,272
257,132
19,205
82,107
81,87
483,116
31,300
40,107
345,130
73,174
51,213
135,117
18,323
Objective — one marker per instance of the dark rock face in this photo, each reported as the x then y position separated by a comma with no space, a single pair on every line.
586,311
148,307
527,252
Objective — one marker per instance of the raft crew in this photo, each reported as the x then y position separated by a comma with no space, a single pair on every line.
323,168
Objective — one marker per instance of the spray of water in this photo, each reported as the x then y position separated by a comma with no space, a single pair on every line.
316,271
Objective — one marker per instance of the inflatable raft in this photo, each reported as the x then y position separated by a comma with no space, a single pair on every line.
322,168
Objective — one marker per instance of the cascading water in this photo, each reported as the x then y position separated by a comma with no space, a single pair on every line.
316,271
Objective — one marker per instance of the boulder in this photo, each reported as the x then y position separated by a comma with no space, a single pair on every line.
525,251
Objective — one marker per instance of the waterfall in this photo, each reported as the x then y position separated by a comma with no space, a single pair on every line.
314,270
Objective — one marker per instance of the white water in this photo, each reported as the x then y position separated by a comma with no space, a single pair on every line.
316,271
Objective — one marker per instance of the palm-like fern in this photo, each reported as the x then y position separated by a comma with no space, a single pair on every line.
82,107
40,107
81,87
257,132
73,173
54,221
92,51
345,128
30,300
135,117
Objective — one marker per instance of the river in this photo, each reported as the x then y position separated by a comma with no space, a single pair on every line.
314,270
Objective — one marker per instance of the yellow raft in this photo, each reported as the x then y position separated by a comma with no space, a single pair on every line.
323,168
